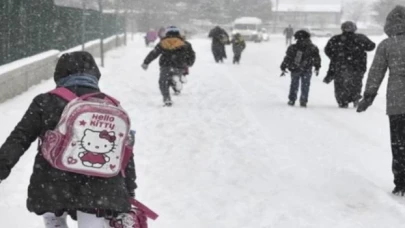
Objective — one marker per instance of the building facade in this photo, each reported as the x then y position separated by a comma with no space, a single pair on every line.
304,15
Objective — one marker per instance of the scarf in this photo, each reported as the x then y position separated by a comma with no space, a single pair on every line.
85,80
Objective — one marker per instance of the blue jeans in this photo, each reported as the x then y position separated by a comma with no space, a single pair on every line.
305,78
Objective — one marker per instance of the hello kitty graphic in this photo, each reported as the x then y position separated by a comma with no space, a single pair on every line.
97,144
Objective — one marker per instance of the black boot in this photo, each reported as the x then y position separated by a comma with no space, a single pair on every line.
344,106
399,191
303,105
167,102
291,103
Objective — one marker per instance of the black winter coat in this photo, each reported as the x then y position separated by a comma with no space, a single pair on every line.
53,190
238,45
302,56
349,50
175,52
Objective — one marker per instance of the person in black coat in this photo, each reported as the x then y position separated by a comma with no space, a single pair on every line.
177,55
220,38
54,192
300,59
288,33
348,55
238,46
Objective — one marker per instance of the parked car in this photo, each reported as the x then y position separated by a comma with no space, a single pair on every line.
319,32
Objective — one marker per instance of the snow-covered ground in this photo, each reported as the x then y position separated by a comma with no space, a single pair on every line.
232,154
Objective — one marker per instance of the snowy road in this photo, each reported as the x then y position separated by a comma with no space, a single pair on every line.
232,154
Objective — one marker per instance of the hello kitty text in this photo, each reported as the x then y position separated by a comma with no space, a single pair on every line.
103,121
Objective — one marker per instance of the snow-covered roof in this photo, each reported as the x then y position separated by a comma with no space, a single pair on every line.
332,8
248,20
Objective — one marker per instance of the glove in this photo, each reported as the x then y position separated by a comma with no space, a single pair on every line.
145,66
317,72
283,73
366,102
186,71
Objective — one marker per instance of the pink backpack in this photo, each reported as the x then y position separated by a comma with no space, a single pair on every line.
136,218
91,138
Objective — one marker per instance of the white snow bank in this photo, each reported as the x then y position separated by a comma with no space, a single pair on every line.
18,76
27,61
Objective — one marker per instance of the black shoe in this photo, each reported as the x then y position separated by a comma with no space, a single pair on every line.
356,103
399,191
168,103
343,106
291,103
303,105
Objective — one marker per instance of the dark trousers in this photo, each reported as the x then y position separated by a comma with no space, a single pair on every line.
348,86
305,78
166,74
288,40
236,57
397,127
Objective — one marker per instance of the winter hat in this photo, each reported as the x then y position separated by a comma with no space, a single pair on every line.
349,26
76,63
302,35
395,23
173,31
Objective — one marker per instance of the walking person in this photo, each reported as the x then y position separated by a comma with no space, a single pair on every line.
238,46
300,60
220,38
348,55
53,192
391,55
288,33
176,56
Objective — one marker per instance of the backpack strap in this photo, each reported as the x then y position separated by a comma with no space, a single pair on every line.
64,93
106,97
148,212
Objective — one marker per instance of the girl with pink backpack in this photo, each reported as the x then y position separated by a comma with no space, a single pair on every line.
84,166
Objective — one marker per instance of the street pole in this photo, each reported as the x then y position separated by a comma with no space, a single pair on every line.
275,23
132,19
83,24
100,4
117,22
126,21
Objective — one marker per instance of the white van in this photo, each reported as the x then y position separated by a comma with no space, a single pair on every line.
249,28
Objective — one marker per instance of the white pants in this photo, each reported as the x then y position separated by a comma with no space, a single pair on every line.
84,220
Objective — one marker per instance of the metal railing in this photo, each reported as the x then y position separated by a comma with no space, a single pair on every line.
31,27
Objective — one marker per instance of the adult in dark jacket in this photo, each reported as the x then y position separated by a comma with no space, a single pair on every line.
391,55
288,33
56,192
238,46
177,55
300,59
220,38
348,55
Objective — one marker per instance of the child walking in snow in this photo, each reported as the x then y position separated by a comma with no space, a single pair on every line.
238,46
300,59
54,193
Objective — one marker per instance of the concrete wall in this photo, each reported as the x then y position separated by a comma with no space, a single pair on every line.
17,77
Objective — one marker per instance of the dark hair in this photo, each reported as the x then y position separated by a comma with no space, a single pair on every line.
73,63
